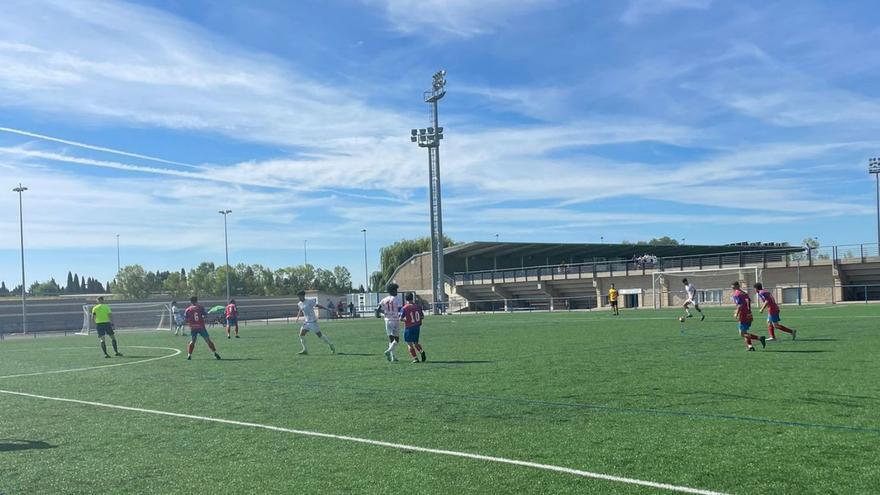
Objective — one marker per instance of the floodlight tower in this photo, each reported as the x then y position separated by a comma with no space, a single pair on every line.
874,168
20,189
430,138
225,214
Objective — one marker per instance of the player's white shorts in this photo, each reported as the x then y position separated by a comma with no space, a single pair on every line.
691,301
310,326
392,327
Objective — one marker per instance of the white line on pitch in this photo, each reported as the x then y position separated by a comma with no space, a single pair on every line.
411,448
127,363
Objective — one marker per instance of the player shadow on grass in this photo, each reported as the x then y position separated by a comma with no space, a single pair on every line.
12,445
803,351
459,362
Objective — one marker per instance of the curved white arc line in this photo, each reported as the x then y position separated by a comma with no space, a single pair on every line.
379,443
129,363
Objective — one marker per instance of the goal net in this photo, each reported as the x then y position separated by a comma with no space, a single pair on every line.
133,316
713,285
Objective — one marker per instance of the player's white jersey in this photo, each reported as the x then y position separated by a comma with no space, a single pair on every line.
308,309
691,291
391,307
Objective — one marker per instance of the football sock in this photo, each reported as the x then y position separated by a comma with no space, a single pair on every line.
190,347
104,347
748,340
785,329
211,346
412,351
325,339
115,347
771,331
302,340
236,329
418,346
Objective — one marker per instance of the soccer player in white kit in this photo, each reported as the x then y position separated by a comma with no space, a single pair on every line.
307,309
691,292
389,307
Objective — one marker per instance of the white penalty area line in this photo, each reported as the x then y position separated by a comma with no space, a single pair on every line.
127,363
398,446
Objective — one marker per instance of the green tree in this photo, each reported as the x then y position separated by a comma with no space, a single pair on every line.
68,287
175,285
50,288
202,279
131,283
75,289
3,290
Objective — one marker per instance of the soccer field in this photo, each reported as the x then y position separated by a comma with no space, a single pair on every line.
578,394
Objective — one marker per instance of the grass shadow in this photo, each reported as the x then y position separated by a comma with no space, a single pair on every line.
816,340
805,351
13,445
459,362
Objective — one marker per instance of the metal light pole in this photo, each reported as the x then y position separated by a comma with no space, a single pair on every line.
226,213
305,252
118,264
874,168
20,189
366,270
430,138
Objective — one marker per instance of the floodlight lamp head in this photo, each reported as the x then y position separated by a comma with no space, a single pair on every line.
414,132
422,131
413,139
874,166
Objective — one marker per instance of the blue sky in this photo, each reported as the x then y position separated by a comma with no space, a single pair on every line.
565,121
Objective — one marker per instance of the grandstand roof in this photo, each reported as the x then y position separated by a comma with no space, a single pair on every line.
605,250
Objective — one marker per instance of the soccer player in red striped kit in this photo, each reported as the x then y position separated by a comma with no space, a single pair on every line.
743,315
772,313
412,324
195,317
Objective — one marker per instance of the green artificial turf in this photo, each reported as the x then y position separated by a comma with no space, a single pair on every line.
630,396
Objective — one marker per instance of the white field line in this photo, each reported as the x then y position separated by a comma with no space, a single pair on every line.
411,448
127,363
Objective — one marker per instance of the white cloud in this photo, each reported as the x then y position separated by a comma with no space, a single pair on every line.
456,18
638,10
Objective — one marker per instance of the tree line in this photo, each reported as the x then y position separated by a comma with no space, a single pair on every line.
74,285
207,279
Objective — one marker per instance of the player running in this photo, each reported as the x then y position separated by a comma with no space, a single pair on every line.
307,309
412,323
103,316
231,318
612,299
195,316
772,313
690,291
390,308
743,314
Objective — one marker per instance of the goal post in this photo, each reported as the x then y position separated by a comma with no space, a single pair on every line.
133,316
711,283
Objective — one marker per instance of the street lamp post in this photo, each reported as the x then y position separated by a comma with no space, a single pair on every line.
430,138
874,168
118,264
226,213
20,189
366,270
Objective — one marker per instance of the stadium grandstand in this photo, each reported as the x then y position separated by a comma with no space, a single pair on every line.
505,276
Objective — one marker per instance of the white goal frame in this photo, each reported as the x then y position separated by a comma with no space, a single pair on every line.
705,272
147,311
